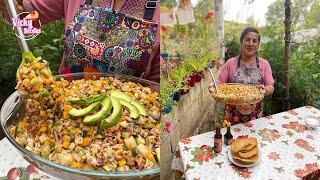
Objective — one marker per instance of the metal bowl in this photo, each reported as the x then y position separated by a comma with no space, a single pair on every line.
11,113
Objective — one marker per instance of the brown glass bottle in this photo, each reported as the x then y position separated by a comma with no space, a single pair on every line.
228,138
217,141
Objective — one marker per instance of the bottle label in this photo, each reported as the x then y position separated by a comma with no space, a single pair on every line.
217,145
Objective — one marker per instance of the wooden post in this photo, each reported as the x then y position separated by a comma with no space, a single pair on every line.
218,11
287,40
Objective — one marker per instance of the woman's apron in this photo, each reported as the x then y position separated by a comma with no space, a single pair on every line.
102,40
242,113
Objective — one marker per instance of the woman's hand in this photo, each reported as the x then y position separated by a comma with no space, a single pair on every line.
211,89
262,89
4,12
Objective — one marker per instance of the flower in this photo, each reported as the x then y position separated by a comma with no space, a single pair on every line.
311,167
204,147
274,156
292,112
300,173
298,155
204,157
31,169
304,144
209,15
236,129
164,29
14,173
186,141
167,127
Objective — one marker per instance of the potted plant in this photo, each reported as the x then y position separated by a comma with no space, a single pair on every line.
178,79
166,99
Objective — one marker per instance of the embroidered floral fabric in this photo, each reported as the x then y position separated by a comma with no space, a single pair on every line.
103,40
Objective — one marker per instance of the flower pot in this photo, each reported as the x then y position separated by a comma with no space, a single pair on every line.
191,81
197,77
177,95
168,108
184,91
165,56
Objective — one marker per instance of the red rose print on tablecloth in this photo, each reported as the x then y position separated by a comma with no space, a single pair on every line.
304,144
308,168
274,156
269,134
202,154
186,141
299,155
242,172
294,125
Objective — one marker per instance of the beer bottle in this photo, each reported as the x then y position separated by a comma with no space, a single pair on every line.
228,138
217,141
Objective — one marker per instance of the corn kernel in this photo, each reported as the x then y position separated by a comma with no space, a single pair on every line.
65,144
67,108
65,132
66,115
151,157
122,162
42,113
75,164
26,82
86,141
43,128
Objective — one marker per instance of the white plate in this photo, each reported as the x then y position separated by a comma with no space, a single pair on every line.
243,164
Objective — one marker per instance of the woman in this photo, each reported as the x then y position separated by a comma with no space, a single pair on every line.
96,41
247,68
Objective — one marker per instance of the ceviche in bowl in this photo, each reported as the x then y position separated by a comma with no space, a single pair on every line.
85,125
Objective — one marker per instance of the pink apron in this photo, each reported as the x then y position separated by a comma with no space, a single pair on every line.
100,39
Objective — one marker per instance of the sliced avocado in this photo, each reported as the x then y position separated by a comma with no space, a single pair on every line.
134,113
88,100
96,118
85,111
140,108
120,95
114,117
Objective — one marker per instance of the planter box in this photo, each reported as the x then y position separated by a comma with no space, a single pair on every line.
193,112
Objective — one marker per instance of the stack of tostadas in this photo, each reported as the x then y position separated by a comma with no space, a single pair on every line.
245,150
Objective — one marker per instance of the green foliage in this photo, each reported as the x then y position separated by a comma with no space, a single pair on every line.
48,45
304,71
166,90
304,14
273,52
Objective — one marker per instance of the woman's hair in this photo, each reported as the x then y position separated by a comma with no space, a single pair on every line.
246,31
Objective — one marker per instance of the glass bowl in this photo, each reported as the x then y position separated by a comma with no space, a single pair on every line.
11,112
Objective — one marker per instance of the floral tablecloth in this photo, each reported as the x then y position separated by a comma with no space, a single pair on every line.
290,150
13,166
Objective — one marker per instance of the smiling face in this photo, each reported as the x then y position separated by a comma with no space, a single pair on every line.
250,44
